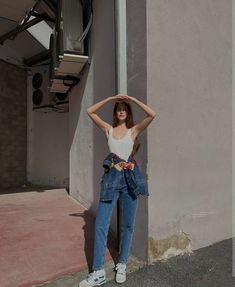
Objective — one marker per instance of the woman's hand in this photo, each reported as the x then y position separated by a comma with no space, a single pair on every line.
124,165
118,167
120,97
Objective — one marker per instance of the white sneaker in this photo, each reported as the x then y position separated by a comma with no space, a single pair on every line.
95,278
121,272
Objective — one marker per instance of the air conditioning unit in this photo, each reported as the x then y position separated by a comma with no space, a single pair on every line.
70,27
41,97
59,83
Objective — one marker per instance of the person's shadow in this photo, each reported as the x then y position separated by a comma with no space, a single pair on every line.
89,233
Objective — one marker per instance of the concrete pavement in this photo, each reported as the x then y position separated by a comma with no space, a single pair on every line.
206,267
45,235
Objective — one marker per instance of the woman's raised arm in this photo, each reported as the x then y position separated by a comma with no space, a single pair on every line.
151,114
91,111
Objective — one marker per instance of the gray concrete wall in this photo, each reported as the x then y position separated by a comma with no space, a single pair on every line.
88,146
189,60
48,145
13,123
137,87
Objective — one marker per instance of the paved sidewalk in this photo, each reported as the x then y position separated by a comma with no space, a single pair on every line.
206,267
45,235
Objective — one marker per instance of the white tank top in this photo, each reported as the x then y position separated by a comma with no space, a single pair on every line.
123,146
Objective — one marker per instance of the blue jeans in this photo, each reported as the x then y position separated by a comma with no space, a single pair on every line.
128,207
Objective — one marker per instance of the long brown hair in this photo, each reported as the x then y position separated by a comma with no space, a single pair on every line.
129,121
129,118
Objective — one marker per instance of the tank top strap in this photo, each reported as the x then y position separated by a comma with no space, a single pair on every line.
129,131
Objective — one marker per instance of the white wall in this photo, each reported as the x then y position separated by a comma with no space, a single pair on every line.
47,146
189,145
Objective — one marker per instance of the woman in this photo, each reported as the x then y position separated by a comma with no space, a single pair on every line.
121,137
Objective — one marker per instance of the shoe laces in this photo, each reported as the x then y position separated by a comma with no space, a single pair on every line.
93,275
120,267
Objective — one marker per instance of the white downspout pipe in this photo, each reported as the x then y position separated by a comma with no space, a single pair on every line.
121,48
121,69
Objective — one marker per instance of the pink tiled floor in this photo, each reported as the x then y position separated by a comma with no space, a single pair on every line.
43,236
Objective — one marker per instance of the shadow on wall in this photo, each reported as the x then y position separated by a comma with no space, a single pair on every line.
104,85
88,229
99,152
97,83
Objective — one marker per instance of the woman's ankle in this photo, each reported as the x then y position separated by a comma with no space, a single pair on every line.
99,270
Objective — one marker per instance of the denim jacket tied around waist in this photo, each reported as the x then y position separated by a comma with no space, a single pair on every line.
112,178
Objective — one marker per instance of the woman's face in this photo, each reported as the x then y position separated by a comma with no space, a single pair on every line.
121,113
